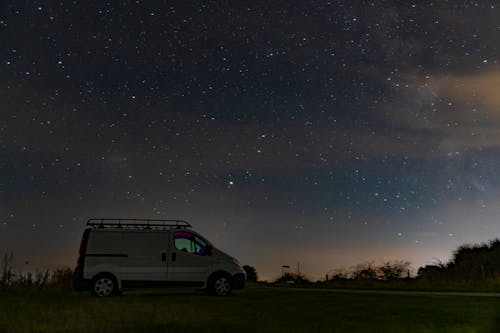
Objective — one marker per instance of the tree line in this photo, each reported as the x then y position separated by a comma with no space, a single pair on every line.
471,266
9,277
474,263
477,262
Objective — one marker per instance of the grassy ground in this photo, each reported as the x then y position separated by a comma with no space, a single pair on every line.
251,310
413,284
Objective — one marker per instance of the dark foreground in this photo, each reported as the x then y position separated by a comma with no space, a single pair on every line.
250,310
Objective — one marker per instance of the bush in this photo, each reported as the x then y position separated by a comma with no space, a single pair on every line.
293,278
251,273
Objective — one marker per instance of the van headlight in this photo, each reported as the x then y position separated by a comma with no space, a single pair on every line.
236,262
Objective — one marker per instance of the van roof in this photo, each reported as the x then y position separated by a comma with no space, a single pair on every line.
125,223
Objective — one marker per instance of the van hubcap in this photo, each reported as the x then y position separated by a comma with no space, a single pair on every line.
222,286
103,286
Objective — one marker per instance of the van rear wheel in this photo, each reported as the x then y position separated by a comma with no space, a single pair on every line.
104,285
220,285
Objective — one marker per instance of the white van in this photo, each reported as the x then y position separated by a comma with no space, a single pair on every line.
121,253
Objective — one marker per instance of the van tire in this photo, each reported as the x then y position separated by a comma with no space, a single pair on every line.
104,285
219,284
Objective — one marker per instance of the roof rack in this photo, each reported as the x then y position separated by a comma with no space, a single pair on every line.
138,224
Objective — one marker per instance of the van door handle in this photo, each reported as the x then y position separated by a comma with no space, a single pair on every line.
174,256
163,256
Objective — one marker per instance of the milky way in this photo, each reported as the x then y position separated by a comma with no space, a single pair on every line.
322,132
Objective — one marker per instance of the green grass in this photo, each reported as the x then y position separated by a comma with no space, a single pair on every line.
251,310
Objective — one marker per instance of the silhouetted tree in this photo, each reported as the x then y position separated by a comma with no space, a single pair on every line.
251,273
476,262
431,272
394,270
338,274
364,271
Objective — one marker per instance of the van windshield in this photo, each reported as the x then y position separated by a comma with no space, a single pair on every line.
188,242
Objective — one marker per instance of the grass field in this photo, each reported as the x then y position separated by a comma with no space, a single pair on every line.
251,310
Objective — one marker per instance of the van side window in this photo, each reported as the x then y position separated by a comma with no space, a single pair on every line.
187,242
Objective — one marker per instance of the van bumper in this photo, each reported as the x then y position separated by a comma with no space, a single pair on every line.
239,281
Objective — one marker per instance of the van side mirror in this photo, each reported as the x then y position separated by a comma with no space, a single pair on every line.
208,250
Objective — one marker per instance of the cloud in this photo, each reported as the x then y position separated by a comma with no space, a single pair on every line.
446,114
476,91
471,105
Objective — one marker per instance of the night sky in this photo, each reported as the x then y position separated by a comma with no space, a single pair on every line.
322,132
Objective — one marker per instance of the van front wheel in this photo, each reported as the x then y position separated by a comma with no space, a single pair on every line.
220,285
104,285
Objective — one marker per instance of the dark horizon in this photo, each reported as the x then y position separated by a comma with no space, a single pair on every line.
327,133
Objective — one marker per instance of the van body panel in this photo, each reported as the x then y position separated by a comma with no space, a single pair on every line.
189,267
146,255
